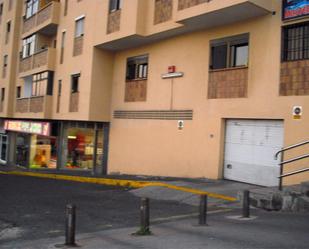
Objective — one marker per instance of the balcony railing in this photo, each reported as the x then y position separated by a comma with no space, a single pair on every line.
39,106
45,17
42,60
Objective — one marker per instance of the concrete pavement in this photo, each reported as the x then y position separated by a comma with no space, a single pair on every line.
269,230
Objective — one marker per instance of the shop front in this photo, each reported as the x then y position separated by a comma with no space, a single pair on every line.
58,145
3,144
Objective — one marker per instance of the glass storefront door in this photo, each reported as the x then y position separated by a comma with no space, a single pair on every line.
3,148
22,149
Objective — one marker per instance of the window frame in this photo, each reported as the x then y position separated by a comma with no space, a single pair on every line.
114,5
301,52
41,84
28,46
80,33
75,84
231,43
32,6
137,67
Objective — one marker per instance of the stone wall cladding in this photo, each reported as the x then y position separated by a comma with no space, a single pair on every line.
136,90
22,105
78,45
74,99
36,104
29,24
294,78
44,14
40,59
228,83
163,11
25,64
113,22
184,4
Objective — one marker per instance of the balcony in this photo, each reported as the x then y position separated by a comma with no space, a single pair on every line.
172,18
43,60
34,107
45,21
199,14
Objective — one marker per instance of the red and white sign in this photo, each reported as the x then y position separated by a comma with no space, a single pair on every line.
39,128
171,69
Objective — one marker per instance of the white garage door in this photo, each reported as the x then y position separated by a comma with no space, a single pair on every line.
250,146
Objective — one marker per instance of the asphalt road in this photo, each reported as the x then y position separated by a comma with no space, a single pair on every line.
33,208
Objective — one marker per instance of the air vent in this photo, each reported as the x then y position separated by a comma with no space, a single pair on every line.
155,114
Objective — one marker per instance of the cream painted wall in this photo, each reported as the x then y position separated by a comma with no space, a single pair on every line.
155,147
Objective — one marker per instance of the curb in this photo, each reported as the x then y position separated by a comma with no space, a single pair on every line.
120,182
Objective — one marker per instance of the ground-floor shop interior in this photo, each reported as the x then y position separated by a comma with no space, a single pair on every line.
64,145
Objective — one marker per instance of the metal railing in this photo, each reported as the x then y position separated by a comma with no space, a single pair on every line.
282,162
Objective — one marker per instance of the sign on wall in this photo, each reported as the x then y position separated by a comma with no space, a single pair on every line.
39,128
294,9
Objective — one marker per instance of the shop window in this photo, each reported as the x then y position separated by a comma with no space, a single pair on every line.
3,148
32,7
79,27
74,83
137,68
2,94
229,52
115,5
18,92
28,46
295,42
43,153
79,148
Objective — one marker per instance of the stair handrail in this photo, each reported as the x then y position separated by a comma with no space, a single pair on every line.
282,163
291,147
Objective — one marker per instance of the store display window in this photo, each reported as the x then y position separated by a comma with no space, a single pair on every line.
43,152
79,148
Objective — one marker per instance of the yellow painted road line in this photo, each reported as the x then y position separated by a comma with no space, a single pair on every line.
119,182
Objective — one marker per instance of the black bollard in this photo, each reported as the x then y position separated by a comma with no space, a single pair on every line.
203,210
70,224
246,204
144,218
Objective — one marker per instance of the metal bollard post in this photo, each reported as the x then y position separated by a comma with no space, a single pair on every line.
203,210
145,215
246,204
70,223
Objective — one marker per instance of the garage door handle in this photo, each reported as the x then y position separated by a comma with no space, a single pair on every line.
229,166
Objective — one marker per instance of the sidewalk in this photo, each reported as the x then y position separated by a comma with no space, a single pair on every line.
265,230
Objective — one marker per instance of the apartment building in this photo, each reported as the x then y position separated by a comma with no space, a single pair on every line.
184,88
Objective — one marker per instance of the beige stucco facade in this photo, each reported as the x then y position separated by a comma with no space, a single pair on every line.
170,32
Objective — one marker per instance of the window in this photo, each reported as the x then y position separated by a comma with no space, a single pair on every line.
74,83
66,5
296,42
2,94
79,27
62,47
59,87
5,65
28,46
18,92
1,9
8,30
137,67
229,52
32,7
42,84
114,5
10,4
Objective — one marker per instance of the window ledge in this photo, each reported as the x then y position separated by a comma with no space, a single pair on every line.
143,79
228,69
